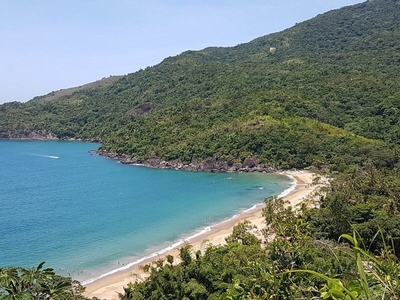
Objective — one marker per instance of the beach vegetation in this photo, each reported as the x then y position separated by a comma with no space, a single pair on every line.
18,283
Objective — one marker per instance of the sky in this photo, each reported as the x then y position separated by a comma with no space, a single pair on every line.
47,45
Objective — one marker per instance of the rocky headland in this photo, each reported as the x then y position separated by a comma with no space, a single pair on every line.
39,135
210,164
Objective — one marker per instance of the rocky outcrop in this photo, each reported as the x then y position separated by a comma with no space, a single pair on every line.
141,109
210,164
41,135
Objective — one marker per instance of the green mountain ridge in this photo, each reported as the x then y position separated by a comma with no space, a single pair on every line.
260,99
66,93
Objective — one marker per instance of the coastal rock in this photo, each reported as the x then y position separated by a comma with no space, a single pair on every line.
210,164
154,162
40,135
250,162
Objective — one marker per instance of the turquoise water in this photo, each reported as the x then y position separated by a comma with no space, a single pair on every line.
86,215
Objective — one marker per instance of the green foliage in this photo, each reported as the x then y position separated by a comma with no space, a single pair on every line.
37,283
242,234
204,277
367,200
377,277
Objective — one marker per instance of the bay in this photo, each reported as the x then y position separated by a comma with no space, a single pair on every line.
86,215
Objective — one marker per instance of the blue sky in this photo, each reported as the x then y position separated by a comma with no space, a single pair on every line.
47,45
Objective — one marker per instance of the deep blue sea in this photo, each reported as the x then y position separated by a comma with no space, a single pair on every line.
86,215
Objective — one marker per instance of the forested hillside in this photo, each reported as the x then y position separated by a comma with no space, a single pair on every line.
323,94
321,89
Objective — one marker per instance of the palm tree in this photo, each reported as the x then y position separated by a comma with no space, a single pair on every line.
33,279
35,283
9,280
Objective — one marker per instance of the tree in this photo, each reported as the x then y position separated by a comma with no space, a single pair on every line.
37,283
242,234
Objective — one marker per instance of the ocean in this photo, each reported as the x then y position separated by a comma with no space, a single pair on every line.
87,215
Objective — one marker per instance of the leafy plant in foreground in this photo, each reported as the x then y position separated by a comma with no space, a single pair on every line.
378,276
37,283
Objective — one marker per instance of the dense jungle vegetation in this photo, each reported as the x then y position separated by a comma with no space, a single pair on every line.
305,96
324,94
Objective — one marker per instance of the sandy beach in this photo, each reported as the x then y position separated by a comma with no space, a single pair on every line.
109,286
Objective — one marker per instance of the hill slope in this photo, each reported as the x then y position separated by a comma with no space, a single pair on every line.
313,94
68,93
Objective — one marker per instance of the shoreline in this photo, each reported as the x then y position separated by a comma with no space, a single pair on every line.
208,164
187,239
108,285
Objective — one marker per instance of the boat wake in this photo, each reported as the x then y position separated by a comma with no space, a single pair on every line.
46,156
